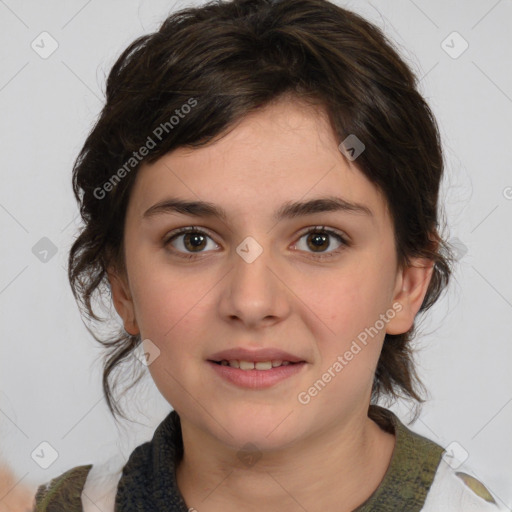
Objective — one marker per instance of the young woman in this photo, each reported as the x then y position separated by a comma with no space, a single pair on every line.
260,196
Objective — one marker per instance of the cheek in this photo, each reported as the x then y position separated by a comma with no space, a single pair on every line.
160,299
349,304
172,307
169,315
347,339
350,298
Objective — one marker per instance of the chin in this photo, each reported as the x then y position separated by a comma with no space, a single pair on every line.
265,431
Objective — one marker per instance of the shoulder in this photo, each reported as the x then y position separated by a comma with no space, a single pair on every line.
63,489
456,491
86,488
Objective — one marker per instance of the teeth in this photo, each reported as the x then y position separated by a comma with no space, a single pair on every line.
263,365
250,365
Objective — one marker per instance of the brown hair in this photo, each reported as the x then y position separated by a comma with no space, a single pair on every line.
228,58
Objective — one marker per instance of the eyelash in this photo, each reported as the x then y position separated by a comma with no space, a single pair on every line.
316,229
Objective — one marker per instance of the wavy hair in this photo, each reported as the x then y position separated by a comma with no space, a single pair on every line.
234,57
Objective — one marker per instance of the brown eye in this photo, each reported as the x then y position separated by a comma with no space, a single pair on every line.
319,240
188,241
193,241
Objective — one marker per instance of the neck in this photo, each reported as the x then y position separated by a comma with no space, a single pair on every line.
335,469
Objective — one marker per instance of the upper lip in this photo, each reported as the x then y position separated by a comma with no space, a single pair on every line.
266,354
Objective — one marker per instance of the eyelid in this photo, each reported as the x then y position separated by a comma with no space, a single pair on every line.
175,233
206,231
344,239
326,229
187,229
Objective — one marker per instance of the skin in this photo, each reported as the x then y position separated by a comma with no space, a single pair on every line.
15,495
326,455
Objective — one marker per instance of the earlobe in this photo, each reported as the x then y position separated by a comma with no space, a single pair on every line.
123,301
411,288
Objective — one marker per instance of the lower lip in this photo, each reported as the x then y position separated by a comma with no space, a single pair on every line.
256,379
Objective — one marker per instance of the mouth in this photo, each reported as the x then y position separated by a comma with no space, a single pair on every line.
256,374
255,365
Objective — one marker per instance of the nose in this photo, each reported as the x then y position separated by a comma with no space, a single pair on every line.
254,292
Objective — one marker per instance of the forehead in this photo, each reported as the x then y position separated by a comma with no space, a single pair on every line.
284,152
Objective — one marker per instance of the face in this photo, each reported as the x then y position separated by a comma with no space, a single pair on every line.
310,282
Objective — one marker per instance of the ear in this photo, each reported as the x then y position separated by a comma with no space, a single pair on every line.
410,290
123,301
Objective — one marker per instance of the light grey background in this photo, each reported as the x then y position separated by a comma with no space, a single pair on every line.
50,367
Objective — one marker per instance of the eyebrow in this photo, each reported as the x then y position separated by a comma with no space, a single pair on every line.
288,210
